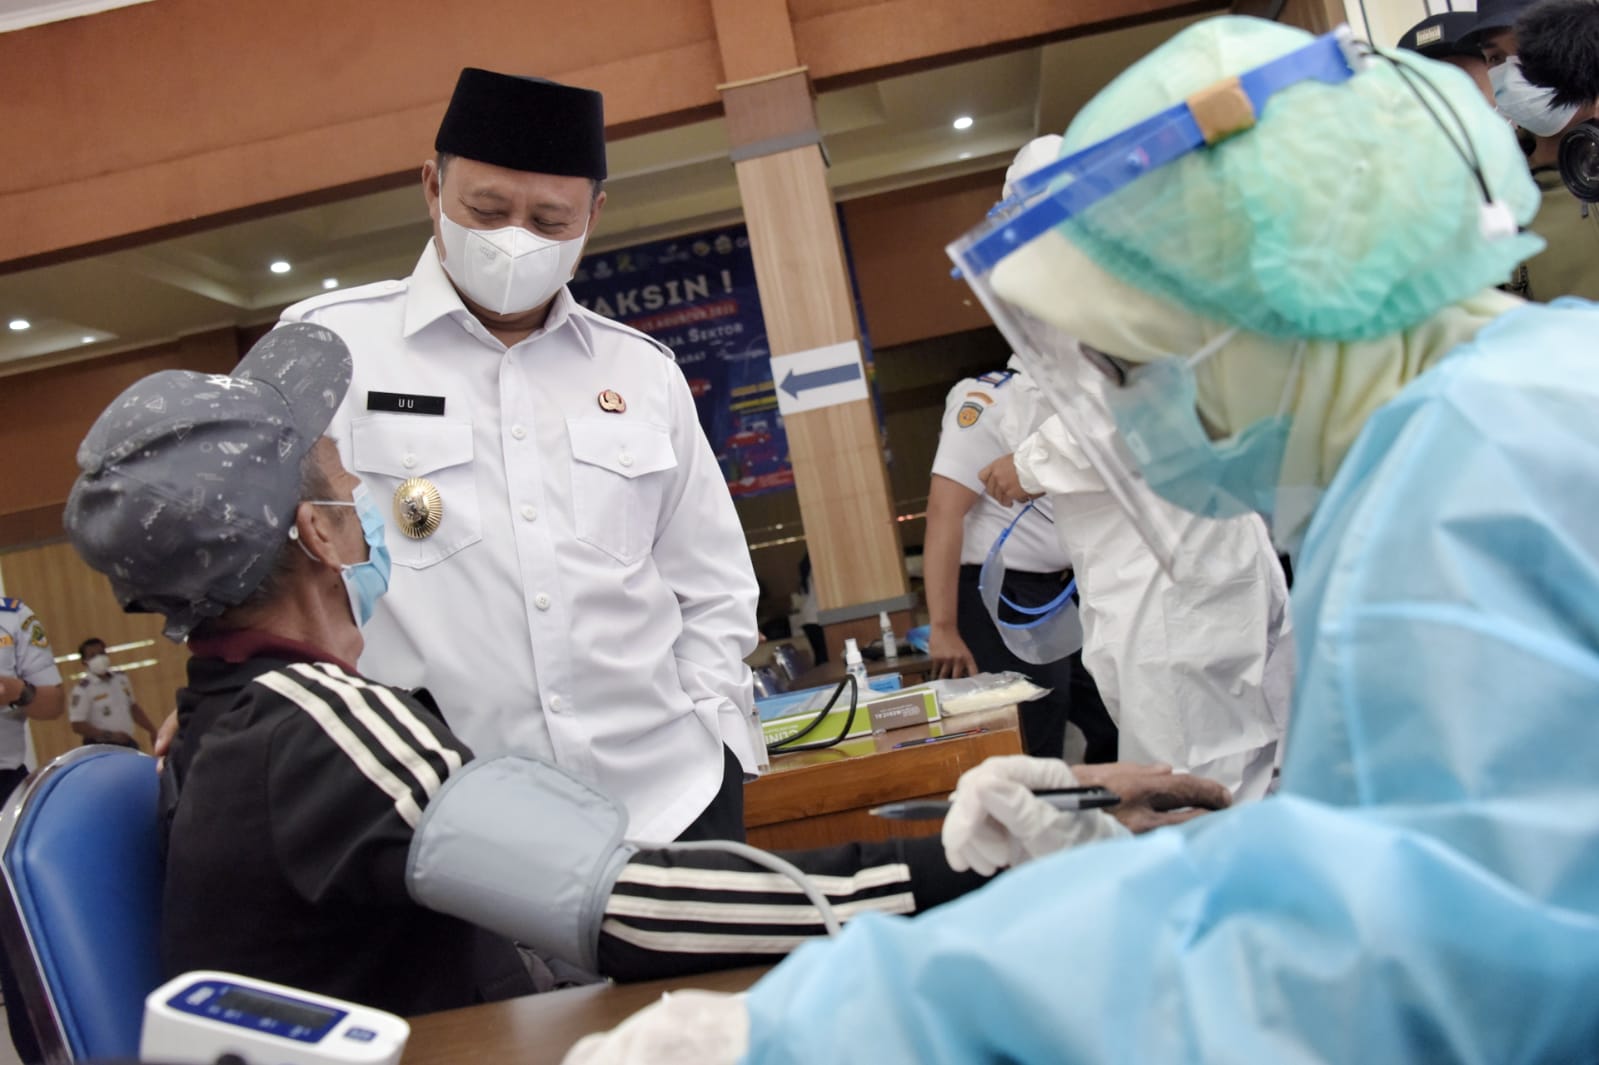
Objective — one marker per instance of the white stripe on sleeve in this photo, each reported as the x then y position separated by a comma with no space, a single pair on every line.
375,723
404,715
768,883
324,715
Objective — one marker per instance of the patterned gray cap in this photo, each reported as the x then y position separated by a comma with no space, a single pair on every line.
190,480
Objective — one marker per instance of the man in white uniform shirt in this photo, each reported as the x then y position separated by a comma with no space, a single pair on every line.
571,576
30,687
962,525
102,707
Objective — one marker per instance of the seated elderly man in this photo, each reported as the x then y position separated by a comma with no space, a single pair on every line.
330,833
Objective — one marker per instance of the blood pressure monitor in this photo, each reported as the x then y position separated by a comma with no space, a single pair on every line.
200,1016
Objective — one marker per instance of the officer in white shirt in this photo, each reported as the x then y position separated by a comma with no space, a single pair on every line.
30,687
570,568
102,707
962,525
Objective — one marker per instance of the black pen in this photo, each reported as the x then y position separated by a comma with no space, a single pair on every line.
1060,798
935,739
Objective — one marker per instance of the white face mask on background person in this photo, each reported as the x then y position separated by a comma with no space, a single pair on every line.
1526,104
99,664
507,270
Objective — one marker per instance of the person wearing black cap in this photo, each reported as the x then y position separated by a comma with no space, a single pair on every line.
1569,264
1444,37
1492,31
569,554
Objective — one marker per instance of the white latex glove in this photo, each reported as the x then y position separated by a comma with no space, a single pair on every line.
995,820
682,1028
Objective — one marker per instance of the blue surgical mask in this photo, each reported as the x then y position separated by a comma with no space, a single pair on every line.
364,582
1158,416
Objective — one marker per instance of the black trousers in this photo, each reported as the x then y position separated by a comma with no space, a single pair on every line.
724,817
22,1036
1073,695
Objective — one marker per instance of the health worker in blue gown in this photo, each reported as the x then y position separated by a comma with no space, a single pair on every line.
1277,252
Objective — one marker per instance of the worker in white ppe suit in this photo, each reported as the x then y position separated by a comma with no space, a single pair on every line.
1284,268
1196,668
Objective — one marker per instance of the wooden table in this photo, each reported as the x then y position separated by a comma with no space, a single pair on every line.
913,665
540,1029
821,798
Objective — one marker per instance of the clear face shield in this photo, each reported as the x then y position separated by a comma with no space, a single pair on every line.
1042,634
1067,188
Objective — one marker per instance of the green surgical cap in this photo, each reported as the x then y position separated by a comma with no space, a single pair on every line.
1343,214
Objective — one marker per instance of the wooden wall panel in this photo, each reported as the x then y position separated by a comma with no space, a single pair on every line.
844,495
49,411
799,255
897,242
754,36
159,117
75,603
843,38
150,116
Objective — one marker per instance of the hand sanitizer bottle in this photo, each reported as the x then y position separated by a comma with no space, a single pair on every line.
890,645
855,667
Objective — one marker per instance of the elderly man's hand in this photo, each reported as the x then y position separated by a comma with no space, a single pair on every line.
996,821
1152,795
163,740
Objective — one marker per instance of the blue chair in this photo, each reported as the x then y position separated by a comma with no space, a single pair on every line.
81,860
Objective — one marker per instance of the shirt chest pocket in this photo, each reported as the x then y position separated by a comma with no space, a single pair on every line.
389,449
620,472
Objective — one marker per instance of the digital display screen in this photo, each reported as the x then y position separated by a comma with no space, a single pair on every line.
273,1008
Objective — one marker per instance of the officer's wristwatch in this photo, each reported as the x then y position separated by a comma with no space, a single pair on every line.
28,692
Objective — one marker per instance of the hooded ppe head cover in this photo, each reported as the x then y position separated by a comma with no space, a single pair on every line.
1378,259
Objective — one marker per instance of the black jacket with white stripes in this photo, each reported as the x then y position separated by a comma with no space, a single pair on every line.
292,792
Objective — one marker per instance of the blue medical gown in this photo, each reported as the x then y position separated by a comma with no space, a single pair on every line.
1425,888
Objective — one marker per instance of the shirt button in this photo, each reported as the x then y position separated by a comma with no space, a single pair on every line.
518,432
409,462
625,458
558,704
529,513
541,601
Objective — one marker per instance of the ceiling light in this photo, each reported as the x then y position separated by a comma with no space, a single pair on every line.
966,155
86,340
280,266
963,122
330,283
19,324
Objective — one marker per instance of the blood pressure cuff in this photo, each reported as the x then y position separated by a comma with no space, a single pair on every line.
519,847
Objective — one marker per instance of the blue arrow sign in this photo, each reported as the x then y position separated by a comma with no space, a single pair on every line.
795,383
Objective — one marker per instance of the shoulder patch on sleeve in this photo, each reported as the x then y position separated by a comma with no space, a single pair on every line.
35,631
967,416
377,290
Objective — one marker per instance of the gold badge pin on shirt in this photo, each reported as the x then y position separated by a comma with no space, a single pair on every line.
418,508
612,402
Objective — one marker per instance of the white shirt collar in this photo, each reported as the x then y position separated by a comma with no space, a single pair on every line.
431,295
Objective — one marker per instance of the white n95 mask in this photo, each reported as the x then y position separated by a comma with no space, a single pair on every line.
507,270
1526,104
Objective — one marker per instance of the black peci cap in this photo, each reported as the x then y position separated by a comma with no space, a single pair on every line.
521,123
